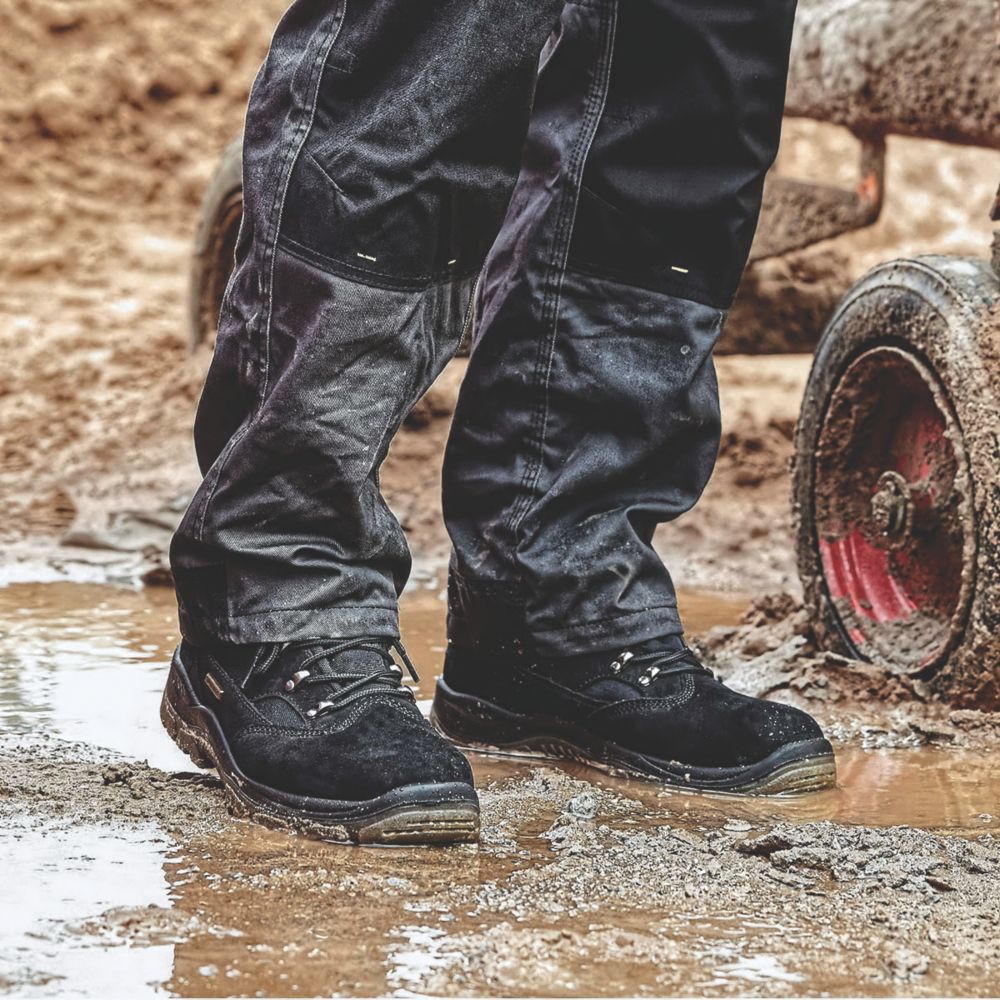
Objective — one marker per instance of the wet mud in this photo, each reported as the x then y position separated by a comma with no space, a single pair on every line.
773,652
944,311
126,875
913,67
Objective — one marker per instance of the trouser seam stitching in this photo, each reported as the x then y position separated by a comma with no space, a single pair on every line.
549,307
520,507
271,247
605,70
288,168
332,607
371,279
556,269
675,290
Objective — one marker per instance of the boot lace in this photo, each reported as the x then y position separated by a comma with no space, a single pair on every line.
348,685
660,664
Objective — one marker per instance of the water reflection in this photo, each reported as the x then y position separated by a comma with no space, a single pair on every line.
54,877
111,911
87,663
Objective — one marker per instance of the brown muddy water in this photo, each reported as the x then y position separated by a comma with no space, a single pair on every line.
124,880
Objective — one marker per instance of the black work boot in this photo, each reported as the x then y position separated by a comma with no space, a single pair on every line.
652,710
320,736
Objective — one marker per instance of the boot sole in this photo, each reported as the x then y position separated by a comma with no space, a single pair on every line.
475,724
434,813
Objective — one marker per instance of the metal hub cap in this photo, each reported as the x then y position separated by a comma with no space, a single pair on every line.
892,510
894,520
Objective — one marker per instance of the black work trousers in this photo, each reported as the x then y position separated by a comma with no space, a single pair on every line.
580,183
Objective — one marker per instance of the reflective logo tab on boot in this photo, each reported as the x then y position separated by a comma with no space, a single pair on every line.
214,686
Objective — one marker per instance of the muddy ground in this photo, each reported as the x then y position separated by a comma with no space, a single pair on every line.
123,877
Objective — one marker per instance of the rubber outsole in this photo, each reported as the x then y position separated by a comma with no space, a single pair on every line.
480,726
442,813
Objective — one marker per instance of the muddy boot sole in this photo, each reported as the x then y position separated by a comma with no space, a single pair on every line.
478,725
441,813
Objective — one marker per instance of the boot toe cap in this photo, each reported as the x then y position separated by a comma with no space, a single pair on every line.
766,726
712,726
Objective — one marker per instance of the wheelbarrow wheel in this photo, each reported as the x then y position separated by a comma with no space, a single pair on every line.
215,244
896,478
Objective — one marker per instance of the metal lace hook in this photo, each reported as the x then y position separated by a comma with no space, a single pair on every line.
620,662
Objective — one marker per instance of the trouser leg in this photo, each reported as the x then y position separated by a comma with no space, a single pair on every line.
381,146
590,410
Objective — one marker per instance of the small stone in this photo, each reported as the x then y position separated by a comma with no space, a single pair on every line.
57,109
583,806
58,15
906,964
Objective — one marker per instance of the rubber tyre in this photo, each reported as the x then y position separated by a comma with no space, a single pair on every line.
942,312
215,244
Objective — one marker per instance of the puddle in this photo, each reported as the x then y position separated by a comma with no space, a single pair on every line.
55,876
87,662
122,909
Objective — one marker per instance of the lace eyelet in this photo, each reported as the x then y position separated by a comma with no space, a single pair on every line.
644,681
623,658
296,679
316,712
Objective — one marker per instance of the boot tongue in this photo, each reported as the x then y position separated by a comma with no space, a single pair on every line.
575,671
299,656
663,644
621,687
356,660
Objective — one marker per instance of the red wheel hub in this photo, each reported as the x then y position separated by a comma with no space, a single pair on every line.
893,511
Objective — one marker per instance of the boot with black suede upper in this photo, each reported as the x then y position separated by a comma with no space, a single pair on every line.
320,736
651,710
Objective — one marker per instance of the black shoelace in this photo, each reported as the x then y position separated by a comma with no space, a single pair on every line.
660,664
348,684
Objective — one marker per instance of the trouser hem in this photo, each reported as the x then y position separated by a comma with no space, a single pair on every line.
289,624
610,634
494,618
